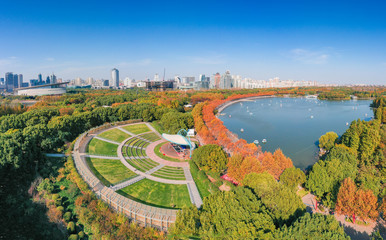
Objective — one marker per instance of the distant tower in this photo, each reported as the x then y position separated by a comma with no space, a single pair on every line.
53,78
9,81
20,80
114,78
156,77
217,78
40,79
15,81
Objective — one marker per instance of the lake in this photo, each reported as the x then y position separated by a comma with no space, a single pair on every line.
293,124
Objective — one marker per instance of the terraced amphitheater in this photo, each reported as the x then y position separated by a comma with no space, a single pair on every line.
119,164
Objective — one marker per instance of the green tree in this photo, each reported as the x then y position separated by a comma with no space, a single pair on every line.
285,205
328,140
210,157
292,178
313,227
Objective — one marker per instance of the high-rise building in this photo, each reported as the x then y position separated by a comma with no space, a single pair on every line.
9,81
114,78
78,81
15,81
90,81
40,79
20,78
156,77
53,78
226,81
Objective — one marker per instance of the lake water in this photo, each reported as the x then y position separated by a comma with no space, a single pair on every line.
293,124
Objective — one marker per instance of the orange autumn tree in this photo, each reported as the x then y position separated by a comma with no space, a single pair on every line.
345,203
350,201
366,205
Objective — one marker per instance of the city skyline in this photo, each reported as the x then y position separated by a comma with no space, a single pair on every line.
342,43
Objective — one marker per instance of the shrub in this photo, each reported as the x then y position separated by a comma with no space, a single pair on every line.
73,237
81,235
67,216
61,209
71,227
57,199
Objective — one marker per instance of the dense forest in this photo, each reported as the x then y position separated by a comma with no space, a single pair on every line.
45,198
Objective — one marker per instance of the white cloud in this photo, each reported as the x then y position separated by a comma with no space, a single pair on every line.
309,57
50,59
8,61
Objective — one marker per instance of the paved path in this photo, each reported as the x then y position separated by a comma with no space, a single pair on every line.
153,129
106,140
125,131
127,183
151,154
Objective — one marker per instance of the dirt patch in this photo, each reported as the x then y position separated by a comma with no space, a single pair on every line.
211,179
225,187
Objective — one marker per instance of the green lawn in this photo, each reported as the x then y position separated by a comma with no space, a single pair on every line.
137,128
157,126
151,137
167,158
115,135
158,194
99,147
109,171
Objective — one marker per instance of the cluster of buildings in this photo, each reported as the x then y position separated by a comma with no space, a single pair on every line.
228,81
13,83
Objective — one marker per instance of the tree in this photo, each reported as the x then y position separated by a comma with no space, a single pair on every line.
284,204
210,157
328,140
366,205
292,177
235,214
346,201
313,227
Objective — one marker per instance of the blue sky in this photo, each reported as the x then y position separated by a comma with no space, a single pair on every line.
326,41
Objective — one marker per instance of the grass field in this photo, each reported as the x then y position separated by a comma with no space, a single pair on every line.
115,135
99,147
109,171
151,137
167,172
157,126
159,154
158,194
137,128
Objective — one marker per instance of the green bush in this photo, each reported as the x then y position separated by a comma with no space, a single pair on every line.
210,158
73,237
67,216
61,209
57,199
81,235
71,227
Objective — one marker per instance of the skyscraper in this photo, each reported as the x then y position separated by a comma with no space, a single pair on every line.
9,81
226,81
40,79
114,78
15,81
20,80
53,78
